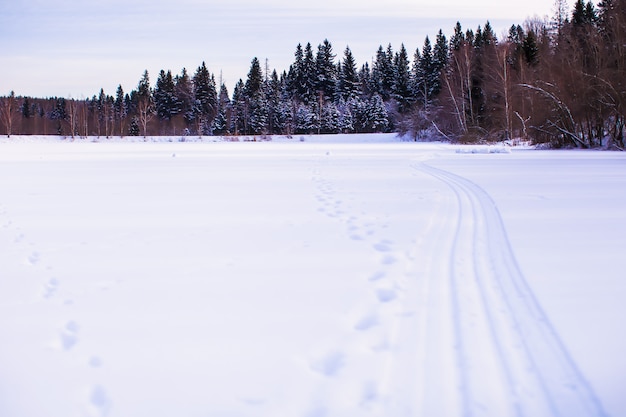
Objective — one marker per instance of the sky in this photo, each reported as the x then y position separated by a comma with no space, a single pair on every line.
73,48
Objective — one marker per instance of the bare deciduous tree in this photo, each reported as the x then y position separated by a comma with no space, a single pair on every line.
7,110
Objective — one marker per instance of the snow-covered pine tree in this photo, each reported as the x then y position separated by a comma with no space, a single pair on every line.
378,119
368,86
359,111
120,110
221,122
350,86
326,70
256,102
185,96
329,122
165,100
401,92
145,103
441,56
205,94
239,116
346,123
306,119
307,87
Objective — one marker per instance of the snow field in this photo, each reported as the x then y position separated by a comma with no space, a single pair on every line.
307,279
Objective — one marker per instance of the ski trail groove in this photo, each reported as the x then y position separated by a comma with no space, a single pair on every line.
510,359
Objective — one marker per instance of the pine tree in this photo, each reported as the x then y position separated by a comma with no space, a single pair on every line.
377,114
383,72
272,92
326,70
294,77
366,79
330,120
257,111
348,79
205,94
306,119
441,56
402,81
145,104
424,76
360,114
458,39
133,128
307,87
221,122
530,48
239,103
166,103
254,80
346,122
26,110
120,110
185,96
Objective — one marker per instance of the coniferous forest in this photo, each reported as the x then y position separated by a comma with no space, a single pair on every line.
560,81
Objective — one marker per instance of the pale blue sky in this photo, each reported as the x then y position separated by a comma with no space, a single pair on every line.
75,47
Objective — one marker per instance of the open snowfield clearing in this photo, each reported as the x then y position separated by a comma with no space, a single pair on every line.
334,277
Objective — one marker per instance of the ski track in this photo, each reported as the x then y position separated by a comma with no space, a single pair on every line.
501,335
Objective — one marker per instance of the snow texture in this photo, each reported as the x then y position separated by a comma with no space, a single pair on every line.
310,276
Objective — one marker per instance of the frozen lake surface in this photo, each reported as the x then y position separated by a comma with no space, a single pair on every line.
335,276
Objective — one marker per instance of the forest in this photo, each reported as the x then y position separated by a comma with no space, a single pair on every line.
558,81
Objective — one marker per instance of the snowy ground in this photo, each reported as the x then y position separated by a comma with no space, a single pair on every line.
310,277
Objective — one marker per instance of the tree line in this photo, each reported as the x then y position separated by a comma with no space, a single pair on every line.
559,81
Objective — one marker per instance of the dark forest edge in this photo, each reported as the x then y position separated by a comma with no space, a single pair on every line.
560,82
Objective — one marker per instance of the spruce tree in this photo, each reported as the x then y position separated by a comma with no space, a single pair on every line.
383,72
26,113
530,48
257,111
402,81
349,79
294,77
185,96
165,96
378,120
424,74
145,107
205,94
254,80
441,56
307,88
239,103
120,110
326,70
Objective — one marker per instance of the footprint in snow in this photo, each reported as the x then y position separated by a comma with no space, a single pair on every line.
329,364
99,403
69,335
95,362
33,258
369,393
50,288
388,260
386,295
377,276
366,322
383,246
